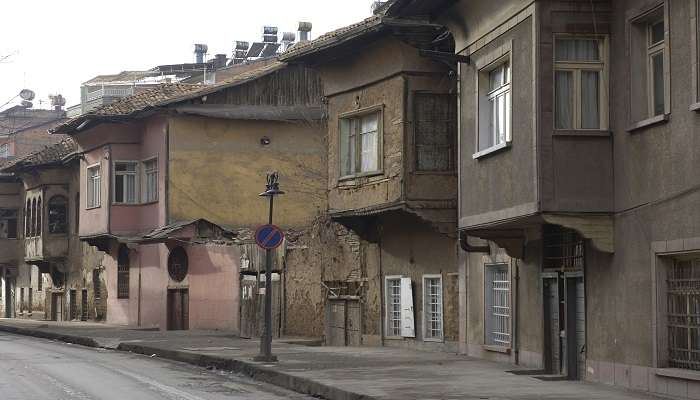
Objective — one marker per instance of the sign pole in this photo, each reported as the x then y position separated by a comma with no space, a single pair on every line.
268,237
266,339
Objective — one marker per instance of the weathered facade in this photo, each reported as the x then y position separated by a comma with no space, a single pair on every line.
213,147
54,275
391,184
577,125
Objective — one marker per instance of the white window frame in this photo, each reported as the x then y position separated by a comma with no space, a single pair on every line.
144,180
485,113
135,174
93,187
576,68
357,137
654,50
506,322
4,150
427,314
389,332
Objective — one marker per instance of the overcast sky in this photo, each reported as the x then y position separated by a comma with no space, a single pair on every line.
54,46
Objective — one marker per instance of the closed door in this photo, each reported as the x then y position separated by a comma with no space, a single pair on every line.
84,305
343,323
10,300
178,309
57,307
249,306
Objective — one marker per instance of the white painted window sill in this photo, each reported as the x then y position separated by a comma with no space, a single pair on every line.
497,349
695,106
490,150
679,373
659,119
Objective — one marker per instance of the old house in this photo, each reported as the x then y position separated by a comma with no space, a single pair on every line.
54,275
11,251
578,192
391,180
23,130
158,166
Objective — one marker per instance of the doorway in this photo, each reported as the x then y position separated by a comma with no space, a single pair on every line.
178,309
565,324
56,306
10,297
343,321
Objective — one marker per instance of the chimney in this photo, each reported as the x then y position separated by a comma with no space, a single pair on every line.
219,61
304,30
200,50
288,39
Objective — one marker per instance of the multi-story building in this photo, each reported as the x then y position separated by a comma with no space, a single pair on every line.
11,251
391,180
160,165
57,276
24,130
578,192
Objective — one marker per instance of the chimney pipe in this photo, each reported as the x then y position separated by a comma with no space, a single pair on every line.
304,30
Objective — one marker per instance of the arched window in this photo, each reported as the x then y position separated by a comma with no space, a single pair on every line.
123,272
28,219
58,215
32,232
39,213
177,264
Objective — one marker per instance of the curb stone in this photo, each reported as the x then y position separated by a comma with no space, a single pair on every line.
80,340
253,370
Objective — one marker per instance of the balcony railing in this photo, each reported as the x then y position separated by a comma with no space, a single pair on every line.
110,92
33,248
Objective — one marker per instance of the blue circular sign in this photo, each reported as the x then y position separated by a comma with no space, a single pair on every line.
269,237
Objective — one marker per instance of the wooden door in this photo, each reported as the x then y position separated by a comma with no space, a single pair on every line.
178,309
343,322
249,306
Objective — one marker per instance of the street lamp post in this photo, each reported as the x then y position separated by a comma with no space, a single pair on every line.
272,189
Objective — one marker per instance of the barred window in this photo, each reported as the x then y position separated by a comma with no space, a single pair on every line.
432,307
123,273
497,302
393,291
435,131
684,315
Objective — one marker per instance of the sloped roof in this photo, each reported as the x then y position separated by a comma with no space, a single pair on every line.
124,76
161,96
332,38
48,155
170,231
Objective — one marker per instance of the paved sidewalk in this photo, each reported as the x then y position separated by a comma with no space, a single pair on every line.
330,372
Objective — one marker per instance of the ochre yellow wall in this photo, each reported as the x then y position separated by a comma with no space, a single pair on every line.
218,167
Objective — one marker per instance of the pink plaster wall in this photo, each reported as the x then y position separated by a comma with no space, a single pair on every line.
212,281
108,143
214,287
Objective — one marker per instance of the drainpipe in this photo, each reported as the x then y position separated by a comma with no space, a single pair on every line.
516,313
138,322
382,306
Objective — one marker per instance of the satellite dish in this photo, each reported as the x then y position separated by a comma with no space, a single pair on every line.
26,94
27,104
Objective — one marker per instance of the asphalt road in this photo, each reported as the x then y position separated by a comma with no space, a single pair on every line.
36,369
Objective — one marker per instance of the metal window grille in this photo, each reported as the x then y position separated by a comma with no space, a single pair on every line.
684,315
433,307
123,273
73,305
40,282
84,305
498,305
394,303
563,249
151,180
